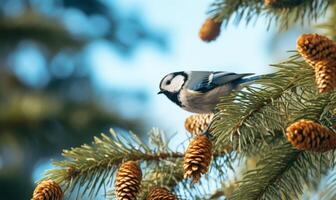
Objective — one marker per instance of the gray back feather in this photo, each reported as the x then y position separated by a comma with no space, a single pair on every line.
204,81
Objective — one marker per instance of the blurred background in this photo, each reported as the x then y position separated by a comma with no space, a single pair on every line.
71,69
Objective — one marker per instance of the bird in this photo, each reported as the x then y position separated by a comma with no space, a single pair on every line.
200,91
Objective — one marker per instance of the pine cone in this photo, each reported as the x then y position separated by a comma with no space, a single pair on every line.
198,124
325,75
315,48
128,181
48,190
311,136
210,30
197,157
282,3
160,193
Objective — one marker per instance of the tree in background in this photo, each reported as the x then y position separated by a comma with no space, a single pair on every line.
48,102
277,137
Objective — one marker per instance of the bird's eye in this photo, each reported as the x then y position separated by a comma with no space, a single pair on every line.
168,82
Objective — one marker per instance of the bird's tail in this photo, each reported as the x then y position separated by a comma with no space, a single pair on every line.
252,79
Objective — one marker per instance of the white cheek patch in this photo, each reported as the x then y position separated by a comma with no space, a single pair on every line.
175,84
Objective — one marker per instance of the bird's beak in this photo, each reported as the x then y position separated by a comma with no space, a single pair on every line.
160,92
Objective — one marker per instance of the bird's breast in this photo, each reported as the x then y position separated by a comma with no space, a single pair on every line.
197,102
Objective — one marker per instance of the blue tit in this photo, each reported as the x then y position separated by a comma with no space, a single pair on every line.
200,91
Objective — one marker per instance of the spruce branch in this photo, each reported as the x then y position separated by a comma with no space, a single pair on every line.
281,174
92,166
164,174
170,174
319,108
257,112
256,183
289,96
284,16
283,168
226,189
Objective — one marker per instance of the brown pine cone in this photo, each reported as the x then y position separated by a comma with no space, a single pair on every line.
282,3
198,124
311,136
128,181
325,75
160,193
48,190
315,48
210,30
197,157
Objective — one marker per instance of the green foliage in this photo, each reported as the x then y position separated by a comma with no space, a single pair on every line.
256,119
260,111
281,174
249,10
91,167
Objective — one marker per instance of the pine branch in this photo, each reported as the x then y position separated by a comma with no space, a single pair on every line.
225,191
258,112
317,108
92,166
261,180
285,169
289,95
164,174
170,175
249,10
229,184
280,175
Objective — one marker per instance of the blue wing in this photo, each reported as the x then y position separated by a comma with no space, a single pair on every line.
203,81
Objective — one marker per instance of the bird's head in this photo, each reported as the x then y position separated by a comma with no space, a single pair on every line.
172,83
